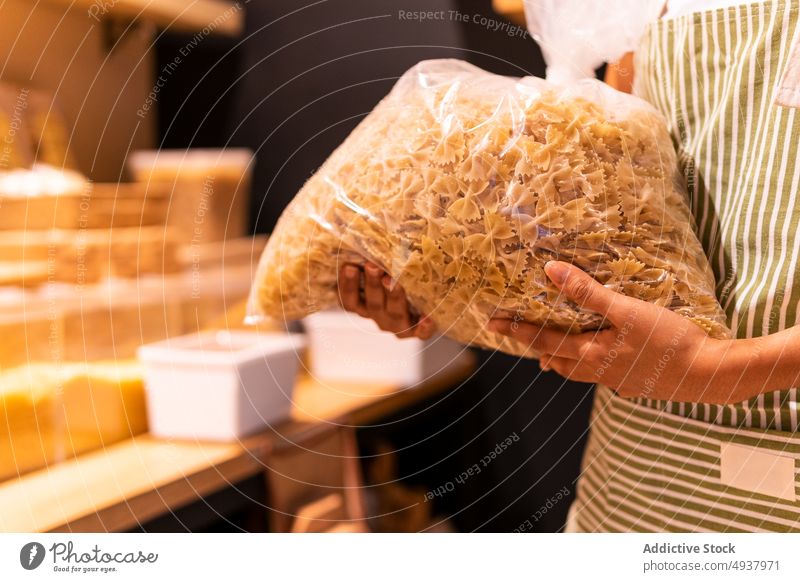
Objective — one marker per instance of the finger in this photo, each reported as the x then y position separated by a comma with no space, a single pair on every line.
586,292
374,293
544,340
396,304
425,329
570,369
349,289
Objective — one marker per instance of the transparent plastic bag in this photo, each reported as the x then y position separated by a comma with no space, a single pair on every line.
462,184
578,36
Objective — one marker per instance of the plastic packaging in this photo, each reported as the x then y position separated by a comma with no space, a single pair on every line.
462,184
578,36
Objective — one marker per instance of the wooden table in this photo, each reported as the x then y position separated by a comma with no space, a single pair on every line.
140,479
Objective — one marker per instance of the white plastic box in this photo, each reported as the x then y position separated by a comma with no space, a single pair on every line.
345,347
219,385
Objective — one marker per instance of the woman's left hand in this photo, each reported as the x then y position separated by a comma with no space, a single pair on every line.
648,351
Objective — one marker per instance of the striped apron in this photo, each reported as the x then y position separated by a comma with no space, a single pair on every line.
667,466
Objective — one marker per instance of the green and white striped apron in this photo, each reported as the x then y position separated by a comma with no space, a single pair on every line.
663,466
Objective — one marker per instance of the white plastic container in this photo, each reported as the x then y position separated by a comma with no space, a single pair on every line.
344,347
219,385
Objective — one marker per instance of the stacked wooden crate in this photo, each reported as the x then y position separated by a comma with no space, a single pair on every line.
86,235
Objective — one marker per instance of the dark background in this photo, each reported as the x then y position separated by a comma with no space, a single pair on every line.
304,74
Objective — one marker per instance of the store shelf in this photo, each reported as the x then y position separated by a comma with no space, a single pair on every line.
121,486
140,479
218,16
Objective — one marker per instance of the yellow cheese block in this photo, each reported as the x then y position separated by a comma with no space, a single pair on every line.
30,420
51,412
102,403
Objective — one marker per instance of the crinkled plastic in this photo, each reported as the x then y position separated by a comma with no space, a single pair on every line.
462,184
577,36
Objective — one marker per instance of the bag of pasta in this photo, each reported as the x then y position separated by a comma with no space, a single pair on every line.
462,184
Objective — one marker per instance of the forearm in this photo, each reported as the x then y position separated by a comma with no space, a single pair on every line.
756,366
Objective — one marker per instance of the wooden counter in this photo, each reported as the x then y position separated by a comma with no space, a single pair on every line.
129,483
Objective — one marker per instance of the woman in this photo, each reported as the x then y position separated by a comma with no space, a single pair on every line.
691,433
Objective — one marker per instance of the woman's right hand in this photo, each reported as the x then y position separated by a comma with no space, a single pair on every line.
382,302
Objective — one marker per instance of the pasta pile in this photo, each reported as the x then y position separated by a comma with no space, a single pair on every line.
462,185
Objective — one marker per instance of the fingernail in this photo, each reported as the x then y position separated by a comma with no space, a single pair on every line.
373,270
387,282
350,272
557,271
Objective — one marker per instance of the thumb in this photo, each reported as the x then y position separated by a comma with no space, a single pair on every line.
586,292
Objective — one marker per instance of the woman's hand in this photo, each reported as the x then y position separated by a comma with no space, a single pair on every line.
381,301
648,351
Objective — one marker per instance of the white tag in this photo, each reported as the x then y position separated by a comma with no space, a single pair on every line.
757,470
788,93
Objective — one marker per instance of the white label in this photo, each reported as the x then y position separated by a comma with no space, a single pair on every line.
757,470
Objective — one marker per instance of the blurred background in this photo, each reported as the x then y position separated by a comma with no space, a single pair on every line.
249,100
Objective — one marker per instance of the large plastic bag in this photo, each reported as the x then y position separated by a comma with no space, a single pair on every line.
462,184
578,36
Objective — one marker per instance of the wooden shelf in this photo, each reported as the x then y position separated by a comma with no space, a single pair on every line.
137,480
220,16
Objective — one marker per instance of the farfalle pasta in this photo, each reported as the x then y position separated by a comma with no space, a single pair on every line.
462,184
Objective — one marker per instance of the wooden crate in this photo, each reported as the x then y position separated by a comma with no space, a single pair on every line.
115,330
23,274
32,334
88,256
233,252
97,206
110,320
209,190
124,205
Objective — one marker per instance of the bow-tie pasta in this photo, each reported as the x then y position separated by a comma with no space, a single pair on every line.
462,184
